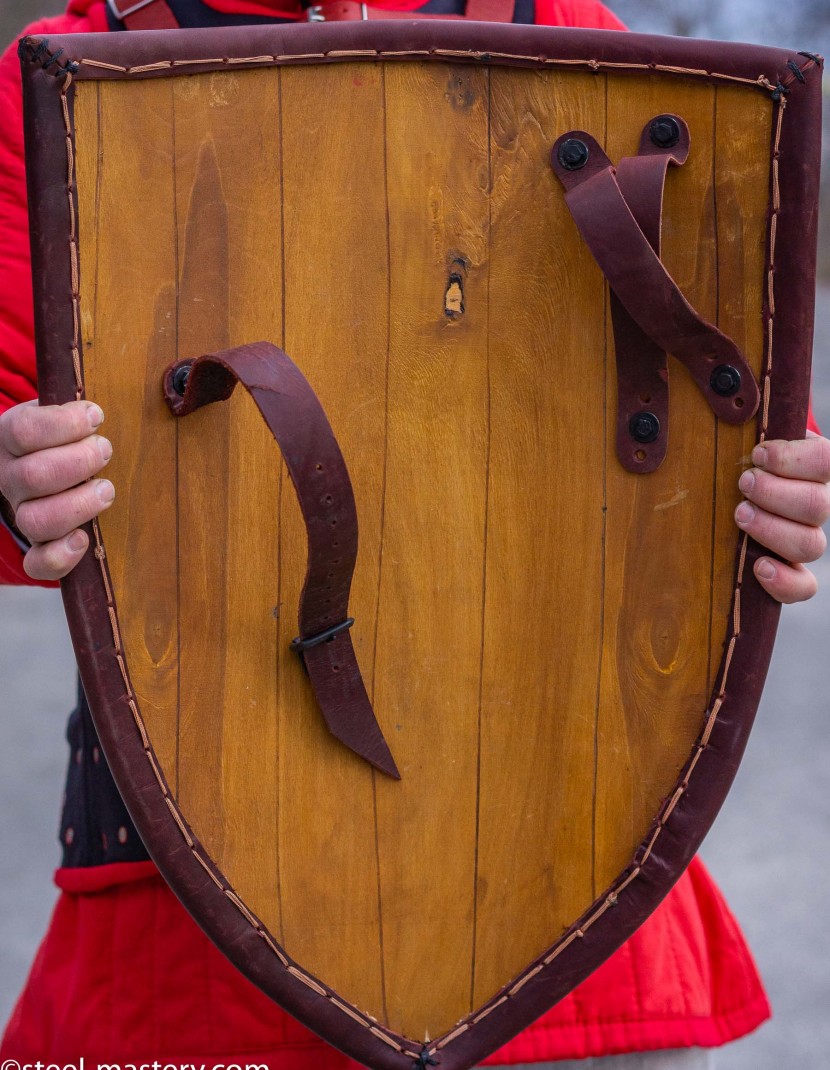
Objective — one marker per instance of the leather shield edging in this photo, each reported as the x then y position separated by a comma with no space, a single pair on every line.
154,54
680,832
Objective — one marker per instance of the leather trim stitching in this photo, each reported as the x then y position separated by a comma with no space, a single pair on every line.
776,89
642,854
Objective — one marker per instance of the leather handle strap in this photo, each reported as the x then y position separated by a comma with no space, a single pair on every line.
646,290
318,472
642,365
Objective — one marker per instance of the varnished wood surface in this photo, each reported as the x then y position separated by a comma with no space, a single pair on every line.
544,555
336,285
654,678
538,628
132,325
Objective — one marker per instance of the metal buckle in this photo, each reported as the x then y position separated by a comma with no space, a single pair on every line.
130,10
300,645
315,14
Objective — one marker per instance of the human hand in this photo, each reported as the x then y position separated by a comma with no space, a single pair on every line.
48,455
788,499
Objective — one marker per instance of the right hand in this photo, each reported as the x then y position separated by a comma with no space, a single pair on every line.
48,456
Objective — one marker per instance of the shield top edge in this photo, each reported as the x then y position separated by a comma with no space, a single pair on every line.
163,53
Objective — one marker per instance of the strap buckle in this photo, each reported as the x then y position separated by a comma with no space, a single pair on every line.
131,10
300,645
317,12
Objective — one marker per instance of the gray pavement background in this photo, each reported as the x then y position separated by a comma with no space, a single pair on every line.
769,849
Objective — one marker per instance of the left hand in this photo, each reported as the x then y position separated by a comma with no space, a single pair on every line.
787,501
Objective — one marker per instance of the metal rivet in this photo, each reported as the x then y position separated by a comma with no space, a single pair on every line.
179,379
644,427
725,380
573,154
664,131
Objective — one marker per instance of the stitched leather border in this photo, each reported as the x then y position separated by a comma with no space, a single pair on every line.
792,83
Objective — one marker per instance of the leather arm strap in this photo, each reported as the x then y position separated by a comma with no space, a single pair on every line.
644,287
642,365
318,472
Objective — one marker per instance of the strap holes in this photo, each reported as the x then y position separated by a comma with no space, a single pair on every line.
335,668
739,403
319,467
645,398
334,523
328,499
640,455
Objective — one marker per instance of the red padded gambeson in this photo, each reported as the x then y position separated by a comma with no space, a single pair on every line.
124,972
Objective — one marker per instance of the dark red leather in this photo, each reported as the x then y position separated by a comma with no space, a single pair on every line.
153,16
643,286
315,464
642,366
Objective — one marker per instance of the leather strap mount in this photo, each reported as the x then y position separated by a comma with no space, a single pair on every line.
318,472
619,214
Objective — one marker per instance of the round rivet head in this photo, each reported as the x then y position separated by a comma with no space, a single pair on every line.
644,427
664,131
725,380
179,379
573,154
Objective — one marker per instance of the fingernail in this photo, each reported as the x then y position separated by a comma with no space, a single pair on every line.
765,569
95,415
105,491
76,541
747,481
104,448
744,513
759,457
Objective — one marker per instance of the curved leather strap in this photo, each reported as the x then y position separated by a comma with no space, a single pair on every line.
642,365
644,287
320,477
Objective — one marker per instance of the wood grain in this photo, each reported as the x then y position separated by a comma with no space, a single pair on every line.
128,304
742,136
544,533
538,628
431,596
229,255
654,686
336,329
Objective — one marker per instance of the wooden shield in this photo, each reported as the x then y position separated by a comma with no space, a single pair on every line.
564,652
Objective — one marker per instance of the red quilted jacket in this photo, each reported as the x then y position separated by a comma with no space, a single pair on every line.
125,974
